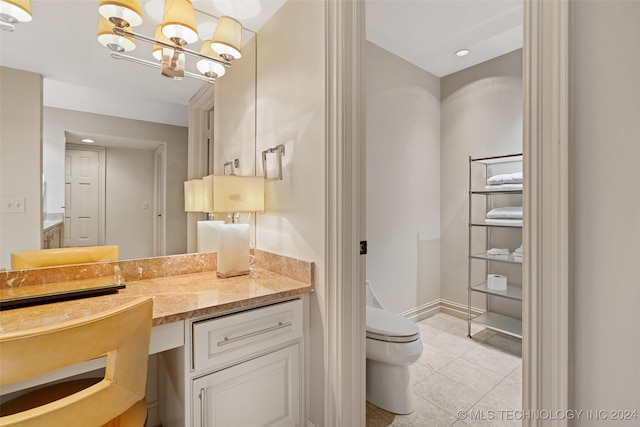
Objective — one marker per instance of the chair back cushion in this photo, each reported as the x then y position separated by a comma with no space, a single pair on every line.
63,256
122,334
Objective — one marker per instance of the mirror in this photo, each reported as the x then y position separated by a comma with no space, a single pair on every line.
131,199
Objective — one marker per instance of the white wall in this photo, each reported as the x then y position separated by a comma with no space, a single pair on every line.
20,160
403,181
129,183
605,206
235,114
291,111
234,129
481,116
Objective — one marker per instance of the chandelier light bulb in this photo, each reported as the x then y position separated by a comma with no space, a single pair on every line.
14,11
123,13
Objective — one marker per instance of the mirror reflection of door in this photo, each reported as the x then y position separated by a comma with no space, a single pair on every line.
84,197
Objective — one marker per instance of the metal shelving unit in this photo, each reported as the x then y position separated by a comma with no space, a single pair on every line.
490,319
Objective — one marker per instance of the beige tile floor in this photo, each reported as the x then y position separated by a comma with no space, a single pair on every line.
481,376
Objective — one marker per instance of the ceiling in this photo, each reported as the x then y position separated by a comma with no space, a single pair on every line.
427,33
60,43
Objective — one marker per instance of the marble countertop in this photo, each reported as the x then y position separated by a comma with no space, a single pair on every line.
175,298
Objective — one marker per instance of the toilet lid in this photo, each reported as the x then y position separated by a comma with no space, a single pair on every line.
386,326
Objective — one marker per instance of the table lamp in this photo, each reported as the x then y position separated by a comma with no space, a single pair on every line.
196,200
234,194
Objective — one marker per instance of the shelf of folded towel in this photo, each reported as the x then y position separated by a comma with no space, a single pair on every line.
506,216
495,200
510,258
512,292
496,190
500,323
498,223
494,160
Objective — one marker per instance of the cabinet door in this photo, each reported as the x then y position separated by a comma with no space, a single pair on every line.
264,391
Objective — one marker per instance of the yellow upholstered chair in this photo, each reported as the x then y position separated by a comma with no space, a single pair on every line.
117,399
63,256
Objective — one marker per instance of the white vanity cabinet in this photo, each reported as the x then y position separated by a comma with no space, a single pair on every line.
53,236
264,391
240,369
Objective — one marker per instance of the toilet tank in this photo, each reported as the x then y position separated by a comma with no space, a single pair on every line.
371,297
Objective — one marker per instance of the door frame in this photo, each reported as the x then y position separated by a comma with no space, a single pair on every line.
546,284
102,223
199,151
546,280
160,206
344,303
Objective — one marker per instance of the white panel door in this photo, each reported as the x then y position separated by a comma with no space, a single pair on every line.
82,198
264,391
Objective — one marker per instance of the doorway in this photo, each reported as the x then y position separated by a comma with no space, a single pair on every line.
422,126
84,208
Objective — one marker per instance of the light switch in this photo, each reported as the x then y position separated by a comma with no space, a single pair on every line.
13,205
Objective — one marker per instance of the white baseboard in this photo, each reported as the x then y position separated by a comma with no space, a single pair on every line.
440,305
423,311
459,310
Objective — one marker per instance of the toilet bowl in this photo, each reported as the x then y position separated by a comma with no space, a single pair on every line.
393,344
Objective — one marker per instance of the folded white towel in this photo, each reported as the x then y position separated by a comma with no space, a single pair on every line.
502,187
505,178
512,212
518,251
504,221
514,178
498,251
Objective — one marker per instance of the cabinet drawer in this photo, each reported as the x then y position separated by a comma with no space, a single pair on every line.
218,341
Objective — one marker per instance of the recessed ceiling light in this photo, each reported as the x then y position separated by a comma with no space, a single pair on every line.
463,52
87,141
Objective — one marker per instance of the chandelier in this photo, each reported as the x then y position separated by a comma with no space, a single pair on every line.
13,12
177,30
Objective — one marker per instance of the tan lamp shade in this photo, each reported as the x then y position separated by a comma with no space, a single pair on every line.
179,21
227,38
109,39
157,49
207,194
20,10
233,193
125,10
193,195
207,67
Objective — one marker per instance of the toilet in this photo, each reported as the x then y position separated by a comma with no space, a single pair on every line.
393,344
